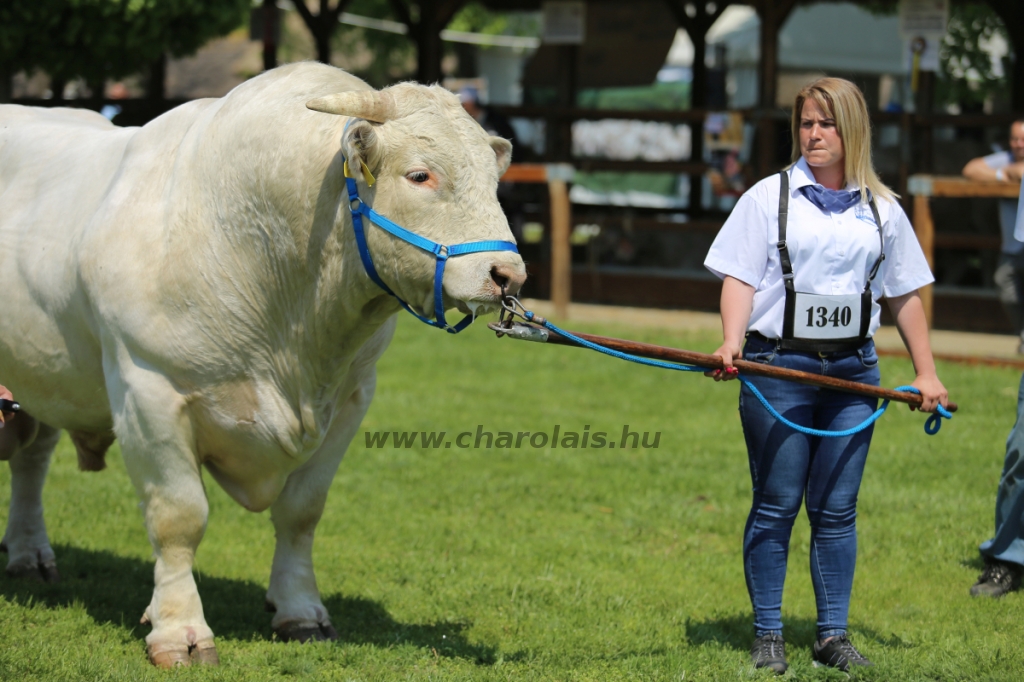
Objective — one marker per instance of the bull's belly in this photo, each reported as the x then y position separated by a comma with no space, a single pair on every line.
251,442
249,466
58,381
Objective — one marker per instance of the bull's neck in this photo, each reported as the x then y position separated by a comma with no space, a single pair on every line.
282,266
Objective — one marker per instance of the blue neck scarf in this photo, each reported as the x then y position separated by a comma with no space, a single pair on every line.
831,200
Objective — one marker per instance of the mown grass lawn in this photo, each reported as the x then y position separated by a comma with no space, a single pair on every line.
545,564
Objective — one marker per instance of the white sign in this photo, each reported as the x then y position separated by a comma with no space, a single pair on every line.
926,50
826,317
923,18
564,22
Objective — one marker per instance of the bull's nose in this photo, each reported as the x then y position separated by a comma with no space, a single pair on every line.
508,278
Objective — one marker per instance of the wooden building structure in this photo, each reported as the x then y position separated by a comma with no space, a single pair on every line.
771,123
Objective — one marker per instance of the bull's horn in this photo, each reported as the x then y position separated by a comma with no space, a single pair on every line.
369,104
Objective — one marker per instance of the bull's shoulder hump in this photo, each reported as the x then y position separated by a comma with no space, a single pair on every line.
17,114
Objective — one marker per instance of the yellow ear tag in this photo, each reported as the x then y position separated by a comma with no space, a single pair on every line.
369,176
347,174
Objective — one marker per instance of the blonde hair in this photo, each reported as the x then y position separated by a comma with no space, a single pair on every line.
842,101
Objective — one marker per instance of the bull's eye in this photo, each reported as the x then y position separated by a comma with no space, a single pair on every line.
419,177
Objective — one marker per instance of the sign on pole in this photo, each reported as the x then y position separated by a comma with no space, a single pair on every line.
564,22
922,26
923,18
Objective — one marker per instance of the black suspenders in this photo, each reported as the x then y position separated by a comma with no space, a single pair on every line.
815,345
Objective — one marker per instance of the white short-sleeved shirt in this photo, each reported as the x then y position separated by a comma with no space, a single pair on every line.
831,253
1018,231
1007,207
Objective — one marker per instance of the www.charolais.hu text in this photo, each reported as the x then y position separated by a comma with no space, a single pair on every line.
554,438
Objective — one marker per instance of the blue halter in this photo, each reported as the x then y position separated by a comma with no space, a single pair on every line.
441,253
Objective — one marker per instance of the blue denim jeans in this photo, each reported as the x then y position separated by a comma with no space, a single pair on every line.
787,466
1008,542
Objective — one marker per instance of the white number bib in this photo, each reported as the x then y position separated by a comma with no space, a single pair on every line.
826,317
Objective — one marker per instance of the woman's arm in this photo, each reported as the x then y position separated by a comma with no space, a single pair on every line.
913,327
736,304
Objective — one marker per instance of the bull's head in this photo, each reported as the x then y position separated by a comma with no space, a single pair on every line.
436,174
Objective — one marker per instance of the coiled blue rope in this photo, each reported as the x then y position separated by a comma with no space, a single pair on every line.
931,426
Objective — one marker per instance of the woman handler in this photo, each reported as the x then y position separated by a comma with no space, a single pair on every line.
804,257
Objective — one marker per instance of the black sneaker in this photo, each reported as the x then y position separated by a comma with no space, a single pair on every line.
838,653
769,651
999,578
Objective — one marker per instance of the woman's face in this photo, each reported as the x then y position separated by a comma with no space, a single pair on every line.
820,143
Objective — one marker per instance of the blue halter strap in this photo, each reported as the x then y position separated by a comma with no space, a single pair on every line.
441,254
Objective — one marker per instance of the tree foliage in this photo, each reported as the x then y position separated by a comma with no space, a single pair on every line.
392,55
98,39
968,73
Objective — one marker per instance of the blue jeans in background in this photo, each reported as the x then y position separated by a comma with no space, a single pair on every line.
787,466
1008,543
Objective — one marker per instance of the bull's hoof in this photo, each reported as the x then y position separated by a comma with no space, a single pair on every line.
173,656
43,573
204,654
295,632
167,657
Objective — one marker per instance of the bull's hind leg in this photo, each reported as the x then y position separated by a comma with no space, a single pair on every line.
293,594
156,441
28,445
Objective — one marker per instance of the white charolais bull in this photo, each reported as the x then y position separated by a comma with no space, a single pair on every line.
192,288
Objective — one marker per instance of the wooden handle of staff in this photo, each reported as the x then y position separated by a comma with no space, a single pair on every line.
654,352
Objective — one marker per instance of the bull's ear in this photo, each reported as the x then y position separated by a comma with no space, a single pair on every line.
361,146
503,150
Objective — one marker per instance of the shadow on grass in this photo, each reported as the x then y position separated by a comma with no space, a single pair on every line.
116,590
737,632
975,562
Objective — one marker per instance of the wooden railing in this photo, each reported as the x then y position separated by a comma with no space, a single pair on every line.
923,188
557,177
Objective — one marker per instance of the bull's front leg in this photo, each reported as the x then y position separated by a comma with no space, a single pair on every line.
151,421
293,595
28,445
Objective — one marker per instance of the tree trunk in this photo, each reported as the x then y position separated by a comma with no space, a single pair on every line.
57,86
698,100
699,81
96,89
156,84
6,84
269,34
323,43
466,55
1017,75
428,53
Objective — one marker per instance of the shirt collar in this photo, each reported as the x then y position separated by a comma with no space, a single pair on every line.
800,175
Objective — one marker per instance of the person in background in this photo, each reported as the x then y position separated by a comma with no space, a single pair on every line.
1004,553
494,123
1009,275
490,120
804,258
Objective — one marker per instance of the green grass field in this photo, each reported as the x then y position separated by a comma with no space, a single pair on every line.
539,563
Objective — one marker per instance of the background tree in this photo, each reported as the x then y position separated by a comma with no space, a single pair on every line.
969,76
322,25
101,39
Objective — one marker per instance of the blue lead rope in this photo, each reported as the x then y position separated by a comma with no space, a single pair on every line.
931,427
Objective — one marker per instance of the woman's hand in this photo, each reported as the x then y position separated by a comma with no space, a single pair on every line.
5,416
728,352
913,327
933,393
737,301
